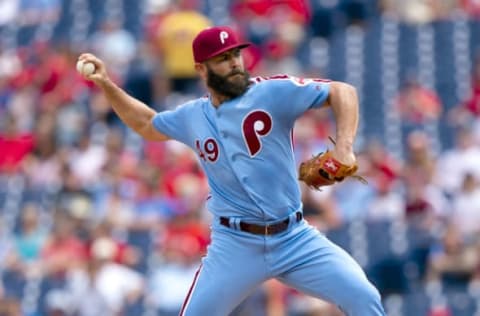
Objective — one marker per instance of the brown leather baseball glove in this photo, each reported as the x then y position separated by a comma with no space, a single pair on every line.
322,170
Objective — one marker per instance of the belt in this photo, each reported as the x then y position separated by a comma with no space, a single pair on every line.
257,229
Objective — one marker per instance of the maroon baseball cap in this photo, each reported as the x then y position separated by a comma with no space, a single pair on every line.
213,41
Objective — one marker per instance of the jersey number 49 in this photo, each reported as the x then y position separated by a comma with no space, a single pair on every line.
255,125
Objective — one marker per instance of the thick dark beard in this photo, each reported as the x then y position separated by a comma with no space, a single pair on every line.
227,88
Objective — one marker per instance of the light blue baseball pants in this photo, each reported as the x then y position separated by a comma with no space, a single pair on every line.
300,257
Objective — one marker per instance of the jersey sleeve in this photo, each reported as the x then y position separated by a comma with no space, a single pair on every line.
297,95
174,124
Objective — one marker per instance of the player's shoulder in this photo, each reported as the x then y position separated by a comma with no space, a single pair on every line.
268,80
285,79
192,104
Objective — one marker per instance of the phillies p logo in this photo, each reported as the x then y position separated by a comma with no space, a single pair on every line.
223,36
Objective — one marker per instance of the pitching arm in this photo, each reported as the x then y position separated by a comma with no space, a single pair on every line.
135,114
343,100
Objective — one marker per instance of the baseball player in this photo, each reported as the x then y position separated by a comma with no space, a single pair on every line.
242,134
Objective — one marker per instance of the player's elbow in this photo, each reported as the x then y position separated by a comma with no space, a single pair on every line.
338,88
341,92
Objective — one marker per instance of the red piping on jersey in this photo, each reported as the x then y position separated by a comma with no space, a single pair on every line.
283,77
187,299
291,139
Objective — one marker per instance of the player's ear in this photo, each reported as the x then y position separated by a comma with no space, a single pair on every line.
201,70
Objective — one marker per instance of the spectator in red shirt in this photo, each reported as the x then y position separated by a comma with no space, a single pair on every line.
471,7
14,146
64,249
469,108
297,9
418,104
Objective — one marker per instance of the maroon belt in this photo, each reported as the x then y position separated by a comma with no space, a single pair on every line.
257,229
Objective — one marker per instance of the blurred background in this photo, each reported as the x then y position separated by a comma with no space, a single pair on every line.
96,221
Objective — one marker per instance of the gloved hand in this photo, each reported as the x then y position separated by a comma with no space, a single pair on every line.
323,169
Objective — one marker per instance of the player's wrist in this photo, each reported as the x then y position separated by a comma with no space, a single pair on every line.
344,146
106,83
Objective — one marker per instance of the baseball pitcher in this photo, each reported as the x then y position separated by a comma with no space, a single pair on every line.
242,134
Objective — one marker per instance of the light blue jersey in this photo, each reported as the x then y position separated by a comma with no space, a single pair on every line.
258,233
245,145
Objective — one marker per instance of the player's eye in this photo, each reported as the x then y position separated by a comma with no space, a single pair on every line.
221,58
232,54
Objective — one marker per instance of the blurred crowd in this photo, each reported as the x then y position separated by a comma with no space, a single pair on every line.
111,224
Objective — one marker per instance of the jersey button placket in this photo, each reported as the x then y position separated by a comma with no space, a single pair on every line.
223,134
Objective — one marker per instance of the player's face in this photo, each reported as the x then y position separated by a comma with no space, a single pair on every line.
226,74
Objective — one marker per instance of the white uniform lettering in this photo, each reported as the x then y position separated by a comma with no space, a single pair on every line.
223,36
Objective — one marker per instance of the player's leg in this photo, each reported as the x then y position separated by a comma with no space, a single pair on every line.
233,267
317,267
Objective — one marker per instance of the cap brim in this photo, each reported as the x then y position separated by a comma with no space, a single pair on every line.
223,50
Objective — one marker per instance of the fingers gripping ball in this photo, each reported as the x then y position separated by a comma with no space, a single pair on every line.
85,68
323,169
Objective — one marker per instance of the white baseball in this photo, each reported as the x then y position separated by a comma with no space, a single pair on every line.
85,68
